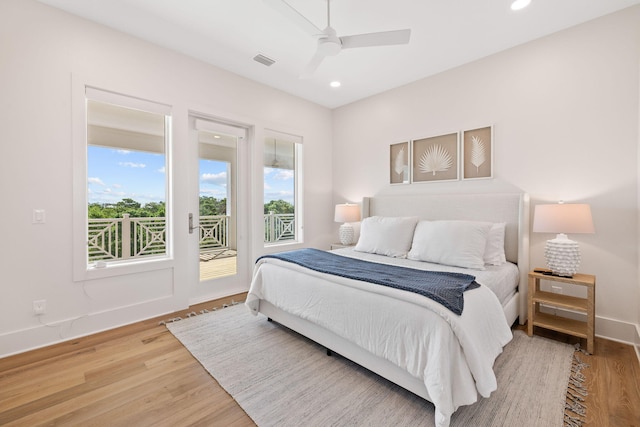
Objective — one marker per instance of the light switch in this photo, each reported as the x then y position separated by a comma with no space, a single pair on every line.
39,216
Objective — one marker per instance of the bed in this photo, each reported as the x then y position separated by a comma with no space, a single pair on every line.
405,337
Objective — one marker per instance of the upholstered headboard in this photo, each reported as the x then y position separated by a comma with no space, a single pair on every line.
511,208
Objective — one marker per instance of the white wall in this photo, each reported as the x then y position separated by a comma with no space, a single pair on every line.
565,111
41,49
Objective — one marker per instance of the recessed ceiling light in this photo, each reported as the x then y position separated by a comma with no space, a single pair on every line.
216,136
335,84
520,4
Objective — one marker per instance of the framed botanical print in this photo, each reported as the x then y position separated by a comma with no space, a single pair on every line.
477,153
399,163
435,158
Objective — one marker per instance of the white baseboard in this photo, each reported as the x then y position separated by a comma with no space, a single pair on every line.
637,342
223,293
51,332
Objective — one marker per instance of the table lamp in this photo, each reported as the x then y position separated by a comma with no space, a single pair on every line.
561,253
347,213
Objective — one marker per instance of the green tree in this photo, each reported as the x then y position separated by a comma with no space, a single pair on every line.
278,207
127,206
212,206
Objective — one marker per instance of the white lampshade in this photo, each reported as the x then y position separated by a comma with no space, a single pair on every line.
561,253
347,213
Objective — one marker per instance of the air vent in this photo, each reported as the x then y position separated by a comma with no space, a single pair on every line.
264,60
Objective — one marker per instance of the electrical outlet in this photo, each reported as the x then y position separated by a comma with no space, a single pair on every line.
40,306
556,289
39,216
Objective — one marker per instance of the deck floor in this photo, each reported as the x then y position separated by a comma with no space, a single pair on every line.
218,267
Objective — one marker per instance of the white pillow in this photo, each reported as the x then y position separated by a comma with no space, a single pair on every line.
455,243
390,236
494,251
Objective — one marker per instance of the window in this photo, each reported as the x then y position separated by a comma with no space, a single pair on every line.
126,181
282,196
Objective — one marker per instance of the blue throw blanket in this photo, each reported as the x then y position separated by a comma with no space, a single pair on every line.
445,288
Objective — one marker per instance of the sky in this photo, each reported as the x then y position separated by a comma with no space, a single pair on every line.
115,174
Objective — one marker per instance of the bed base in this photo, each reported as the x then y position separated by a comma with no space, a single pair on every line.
511,309
334,343
347,349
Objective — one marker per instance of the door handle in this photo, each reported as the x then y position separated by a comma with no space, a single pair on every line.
191,227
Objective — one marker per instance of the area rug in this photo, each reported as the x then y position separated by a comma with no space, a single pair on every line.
283,379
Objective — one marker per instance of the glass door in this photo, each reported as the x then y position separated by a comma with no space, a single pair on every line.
217,165
217,221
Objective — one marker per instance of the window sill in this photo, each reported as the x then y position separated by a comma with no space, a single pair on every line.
123,268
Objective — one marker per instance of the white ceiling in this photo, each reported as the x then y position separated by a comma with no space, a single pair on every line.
445,34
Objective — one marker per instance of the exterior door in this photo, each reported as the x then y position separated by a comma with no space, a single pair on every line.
219,206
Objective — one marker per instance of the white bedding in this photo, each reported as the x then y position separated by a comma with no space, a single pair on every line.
453,355
501,279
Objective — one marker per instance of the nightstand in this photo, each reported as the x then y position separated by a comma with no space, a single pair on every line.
561,324
339,246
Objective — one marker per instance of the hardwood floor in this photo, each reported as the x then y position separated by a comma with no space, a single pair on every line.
140,375
613,381
137,375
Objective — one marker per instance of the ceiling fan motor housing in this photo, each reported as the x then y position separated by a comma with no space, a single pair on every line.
329,45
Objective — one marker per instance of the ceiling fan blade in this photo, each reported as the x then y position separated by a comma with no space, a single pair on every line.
313,65
383,38
294,16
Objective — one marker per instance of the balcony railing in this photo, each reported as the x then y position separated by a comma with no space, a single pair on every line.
126,238
279,227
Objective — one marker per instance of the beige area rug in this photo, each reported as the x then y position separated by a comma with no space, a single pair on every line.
283,379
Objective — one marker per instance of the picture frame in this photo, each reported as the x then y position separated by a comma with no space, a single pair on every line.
399,161
477,153
436,158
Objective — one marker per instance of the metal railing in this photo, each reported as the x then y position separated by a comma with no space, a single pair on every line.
126,237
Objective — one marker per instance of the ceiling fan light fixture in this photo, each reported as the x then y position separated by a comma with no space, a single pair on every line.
519,4
329,44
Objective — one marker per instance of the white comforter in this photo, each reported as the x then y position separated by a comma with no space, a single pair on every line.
452,354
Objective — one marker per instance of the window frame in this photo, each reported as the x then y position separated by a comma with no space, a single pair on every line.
297,142
82,269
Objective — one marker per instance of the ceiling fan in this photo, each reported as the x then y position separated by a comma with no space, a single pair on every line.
329,43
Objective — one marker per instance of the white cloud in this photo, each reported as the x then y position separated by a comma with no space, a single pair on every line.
95,180
287,196
125,152
214,178
284,175
161,170
212,192
132,165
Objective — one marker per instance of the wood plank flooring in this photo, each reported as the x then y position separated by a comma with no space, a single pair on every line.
140,375
217,268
